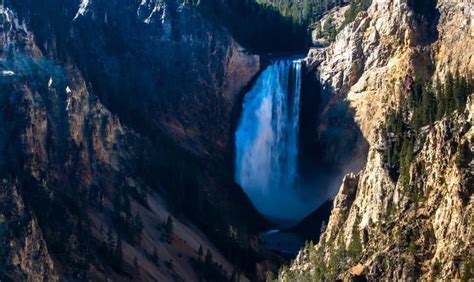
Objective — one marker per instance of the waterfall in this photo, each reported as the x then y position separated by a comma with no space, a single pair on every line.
267,142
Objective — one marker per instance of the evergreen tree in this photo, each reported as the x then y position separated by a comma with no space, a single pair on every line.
428,105
169,225
417,119
463,155
351,12
137,227
235,276
127,205
117,202
110,239
155,255
449,94
355,247
208,260
457,90
436,270
470,82
168,230
441,100
327,4
406,156
329,29
135,267
323,228
366,4
118,254
461,91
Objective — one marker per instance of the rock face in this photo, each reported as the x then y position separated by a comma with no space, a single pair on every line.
336,16
107,105
421,232
155,63
22,243
380,228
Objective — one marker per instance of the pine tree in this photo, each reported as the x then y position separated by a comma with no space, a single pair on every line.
117,202
168,228
456,89
470,82
428,105
417,119
366,4
463,155
307,9
436,270
118,254
441,100
155,255
169,225
208,259
351,12
329,29
406,156
355,247
463,93
135,267
137,227
127,205
327,4
235,276
110,239
323,228
449,94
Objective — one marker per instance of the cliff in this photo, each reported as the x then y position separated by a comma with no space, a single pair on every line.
111,113
24,251
418,226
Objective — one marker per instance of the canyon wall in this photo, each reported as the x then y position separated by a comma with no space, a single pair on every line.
381,228
116,116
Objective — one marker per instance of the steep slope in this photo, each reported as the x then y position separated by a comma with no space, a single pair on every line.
96,142
24,252
418,226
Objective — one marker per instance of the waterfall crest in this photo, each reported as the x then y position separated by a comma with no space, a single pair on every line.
267,142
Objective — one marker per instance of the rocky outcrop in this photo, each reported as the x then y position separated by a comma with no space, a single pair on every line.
398,230
336,17
456,22
384,230
410,232
24,251
366,61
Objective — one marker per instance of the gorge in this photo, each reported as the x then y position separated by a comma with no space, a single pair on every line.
178,140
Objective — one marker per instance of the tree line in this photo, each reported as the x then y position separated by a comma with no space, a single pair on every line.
426,103
310,11
273,25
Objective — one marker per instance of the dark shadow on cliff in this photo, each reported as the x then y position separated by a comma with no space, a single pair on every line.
258,28
145,86
331,143
331,146
427,18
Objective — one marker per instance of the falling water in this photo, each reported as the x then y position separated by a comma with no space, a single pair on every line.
267,142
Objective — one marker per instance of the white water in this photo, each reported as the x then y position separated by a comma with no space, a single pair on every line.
267,144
